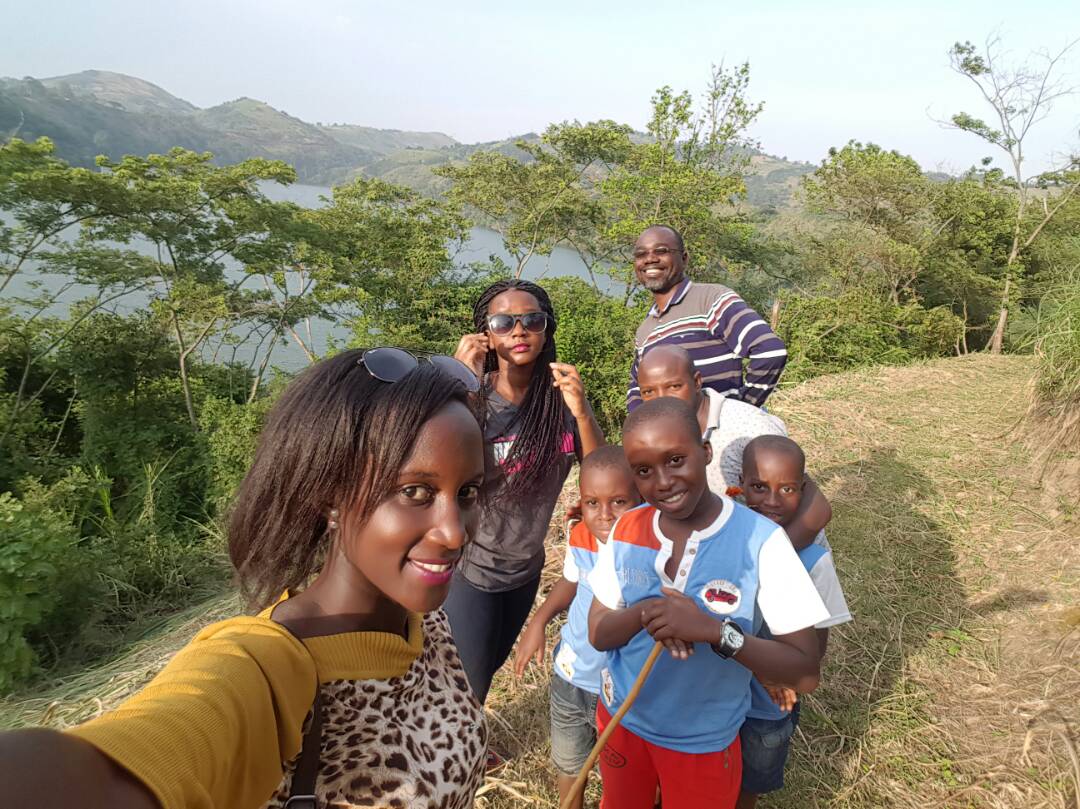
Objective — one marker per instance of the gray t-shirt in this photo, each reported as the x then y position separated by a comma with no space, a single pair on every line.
507,550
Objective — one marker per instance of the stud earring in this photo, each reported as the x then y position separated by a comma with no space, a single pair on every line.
332,523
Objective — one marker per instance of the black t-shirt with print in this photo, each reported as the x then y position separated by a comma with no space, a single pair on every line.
507,549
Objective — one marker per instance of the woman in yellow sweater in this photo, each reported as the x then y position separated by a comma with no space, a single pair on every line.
363,491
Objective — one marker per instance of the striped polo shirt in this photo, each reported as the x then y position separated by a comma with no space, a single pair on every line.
719,331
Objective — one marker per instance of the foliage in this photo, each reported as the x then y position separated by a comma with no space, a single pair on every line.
826,334
537,199
1019,96
42,567
689,171
1056,338
596,333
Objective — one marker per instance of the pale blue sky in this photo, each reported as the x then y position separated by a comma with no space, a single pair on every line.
828,72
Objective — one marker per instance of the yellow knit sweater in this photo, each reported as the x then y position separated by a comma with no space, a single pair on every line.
213,729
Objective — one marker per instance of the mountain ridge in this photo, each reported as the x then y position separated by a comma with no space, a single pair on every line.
97,112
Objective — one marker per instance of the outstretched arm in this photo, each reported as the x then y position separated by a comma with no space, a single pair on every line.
47,769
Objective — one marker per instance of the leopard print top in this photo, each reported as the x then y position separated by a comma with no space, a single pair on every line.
414,741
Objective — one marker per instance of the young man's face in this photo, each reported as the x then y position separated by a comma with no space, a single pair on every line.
772,483
605,494
667,377
668,460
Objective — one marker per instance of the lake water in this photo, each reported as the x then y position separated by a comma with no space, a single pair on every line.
482,245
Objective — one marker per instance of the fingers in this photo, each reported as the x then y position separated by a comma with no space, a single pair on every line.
670,592
564,370
678,649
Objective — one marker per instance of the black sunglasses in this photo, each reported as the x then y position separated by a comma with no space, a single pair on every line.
534,322
390,364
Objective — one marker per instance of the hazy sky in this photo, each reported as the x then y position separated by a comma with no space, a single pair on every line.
827,71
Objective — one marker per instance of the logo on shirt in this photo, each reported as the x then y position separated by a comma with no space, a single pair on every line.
607,686
721,596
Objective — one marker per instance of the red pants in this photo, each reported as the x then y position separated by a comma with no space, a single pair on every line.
631,768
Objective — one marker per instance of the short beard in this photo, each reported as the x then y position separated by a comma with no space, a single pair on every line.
661,285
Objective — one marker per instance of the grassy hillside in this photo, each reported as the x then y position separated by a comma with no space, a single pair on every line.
956,684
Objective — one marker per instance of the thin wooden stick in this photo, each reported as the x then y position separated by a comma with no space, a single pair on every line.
583,776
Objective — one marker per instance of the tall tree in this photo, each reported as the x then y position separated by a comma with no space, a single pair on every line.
199,220
689,171
1019,96
47,257
537,198
881,201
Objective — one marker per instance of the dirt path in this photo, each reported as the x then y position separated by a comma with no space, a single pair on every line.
958,683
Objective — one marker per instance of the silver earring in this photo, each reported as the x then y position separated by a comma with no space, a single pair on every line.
332,524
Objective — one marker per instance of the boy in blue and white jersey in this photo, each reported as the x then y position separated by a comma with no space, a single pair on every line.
691,569
772,480
607,491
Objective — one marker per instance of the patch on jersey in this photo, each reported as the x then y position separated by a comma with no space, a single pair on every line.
721,596
607,687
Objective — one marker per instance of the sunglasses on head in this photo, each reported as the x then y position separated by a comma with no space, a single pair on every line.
534,322
390,364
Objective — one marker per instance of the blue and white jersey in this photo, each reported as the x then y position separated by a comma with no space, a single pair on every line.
817,558
576,661
740,564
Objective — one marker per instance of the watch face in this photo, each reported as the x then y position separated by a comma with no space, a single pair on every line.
733,637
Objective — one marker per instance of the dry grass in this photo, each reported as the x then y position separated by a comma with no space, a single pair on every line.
957,684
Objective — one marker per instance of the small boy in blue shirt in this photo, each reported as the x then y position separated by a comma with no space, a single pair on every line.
607,491
772,480
691,569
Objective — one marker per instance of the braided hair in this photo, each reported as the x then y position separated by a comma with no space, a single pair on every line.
542,415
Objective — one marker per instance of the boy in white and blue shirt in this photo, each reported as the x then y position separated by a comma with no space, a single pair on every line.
693,569
607,491
772,480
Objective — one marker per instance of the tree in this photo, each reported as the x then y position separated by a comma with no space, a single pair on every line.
48,254
1020,97
198,219
538,198
689,171
881,200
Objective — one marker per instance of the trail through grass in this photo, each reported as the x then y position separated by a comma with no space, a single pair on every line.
957,684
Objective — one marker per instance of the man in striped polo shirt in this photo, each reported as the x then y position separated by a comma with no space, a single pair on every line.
710,321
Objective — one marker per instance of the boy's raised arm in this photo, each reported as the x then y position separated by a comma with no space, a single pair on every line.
812,516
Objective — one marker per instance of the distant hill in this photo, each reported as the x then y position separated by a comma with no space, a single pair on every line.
98,112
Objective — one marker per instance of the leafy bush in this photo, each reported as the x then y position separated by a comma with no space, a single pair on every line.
41,565
859,328
596,333
232,431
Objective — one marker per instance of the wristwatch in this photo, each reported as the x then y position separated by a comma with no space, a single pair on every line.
731,639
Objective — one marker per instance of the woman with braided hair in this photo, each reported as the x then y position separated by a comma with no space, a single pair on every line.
536,422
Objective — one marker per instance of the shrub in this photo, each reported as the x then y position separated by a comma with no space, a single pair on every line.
596,333
40,561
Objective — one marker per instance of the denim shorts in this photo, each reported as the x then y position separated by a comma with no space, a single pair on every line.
765,744
573,725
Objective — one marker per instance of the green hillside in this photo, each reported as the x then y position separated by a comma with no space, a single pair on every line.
98,112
